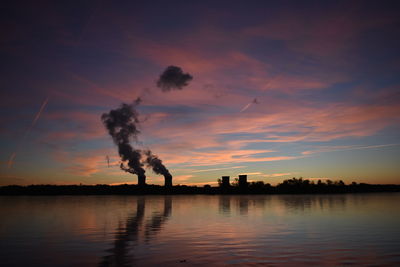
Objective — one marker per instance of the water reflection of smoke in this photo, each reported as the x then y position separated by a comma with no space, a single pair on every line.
127,237
119,253
158,219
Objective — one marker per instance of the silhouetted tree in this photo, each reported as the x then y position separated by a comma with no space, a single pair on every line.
235,182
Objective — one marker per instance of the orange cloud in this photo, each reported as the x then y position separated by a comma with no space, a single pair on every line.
88,162
218,169
277,174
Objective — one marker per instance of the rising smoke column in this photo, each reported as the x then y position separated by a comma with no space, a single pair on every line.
158,167
173,78
121,124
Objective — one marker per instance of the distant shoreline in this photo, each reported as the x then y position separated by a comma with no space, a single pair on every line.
254,189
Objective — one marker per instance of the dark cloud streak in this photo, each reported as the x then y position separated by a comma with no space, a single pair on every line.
173,78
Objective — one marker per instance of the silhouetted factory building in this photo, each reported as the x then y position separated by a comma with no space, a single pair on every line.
243,181
225,181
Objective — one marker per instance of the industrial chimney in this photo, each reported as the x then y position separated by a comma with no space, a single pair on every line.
141,180
168,180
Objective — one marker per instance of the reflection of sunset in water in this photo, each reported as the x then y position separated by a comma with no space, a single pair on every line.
200,229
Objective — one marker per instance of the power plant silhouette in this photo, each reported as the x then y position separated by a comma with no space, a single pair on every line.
224,183
167,180
242,181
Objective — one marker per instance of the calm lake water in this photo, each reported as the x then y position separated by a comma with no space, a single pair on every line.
359,229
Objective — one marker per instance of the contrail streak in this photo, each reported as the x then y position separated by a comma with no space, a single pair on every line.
255,101
10,162
245,107
35,119
37,116
40,111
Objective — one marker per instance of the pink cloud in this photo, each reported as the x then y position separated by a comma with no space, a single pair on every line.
85,125
314,124
216,157
286,83
230,67
217,169
270,123
329,34
324,149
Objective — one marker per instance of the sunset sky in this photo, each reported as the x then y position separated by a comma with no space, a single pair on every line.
325,76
